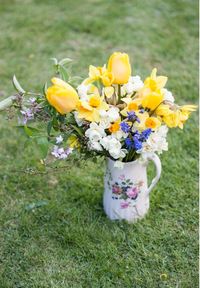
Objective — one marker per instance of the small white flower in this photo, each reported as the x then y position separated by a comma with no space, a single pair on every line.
134,84
95,145
59,139
119,135
168,95
105,142
95,132
105,123
82,91
113,114
78,120
156,142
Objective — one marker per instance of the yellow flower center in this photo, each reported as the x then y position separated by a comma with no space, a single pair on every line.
94,101
132,106
150,123
114,127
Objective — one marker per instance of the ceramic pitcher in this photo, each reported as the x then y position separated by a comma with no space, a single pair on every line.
126,194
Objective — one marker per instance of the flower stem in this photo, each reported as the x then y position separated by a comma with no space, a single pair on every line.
119,93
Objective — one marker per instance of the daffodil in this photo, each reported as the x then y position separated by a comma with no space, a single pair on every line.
154,82
89,110
152,100
152,122
132,105
115,127
175,116
152,94
100,74
73,141
62,96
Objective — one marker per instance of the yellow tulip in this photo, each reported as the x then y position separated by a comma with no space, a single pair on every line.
119,66
62,96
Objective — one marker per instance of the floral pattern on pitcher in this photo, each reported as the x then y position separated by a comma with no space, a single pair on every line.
125,189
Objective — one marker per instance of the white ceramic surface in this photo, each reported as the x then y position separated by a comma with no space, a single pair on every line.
126,194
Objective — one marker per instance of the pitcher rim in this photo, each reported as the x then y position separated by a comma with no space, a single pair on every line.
125,163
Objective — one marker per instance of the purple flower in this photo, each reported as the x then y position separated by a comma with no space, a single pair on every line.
61,153
125,127
133,117
124,205
27,115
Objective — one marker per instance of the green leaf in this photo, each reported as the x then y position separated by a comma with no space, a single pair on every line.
17,85
45,88
63,73
78,130
55,61
65,61
43,145
29,131
6,103
49,126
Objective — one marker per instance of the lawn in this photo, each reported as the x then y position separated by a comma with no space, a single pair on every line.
53,229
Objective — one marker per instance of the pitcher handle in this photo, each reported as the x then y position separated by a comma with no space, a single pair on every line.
156,160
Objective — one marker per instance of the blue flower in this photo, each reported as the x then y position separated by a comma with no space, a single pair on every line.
125,127
129,143
132,116
145,134
137,143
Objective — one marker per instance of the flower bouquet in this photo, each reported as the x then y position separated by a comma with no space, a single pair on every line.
111,114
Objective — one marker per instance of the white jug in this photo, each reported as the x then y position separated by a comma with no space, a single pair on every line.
126,194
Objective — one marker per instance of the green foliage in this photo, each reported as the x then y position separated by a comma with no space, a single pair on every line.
54,231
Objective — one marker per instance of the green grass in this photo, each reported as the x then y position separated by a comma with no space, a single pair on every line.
67,241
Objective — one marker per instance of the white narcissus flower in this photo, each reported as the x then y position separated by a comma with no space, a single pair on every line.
95,145
168,95
78,120
113,146
95,132
82,91
119,135
113,114
156,142
109,116
134,84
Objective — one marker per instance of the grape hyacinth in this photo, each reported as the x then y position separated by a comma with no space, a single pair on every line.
133,117
125,127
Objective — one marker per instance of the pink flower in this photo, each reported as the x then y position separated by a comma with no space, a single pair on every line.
132,192
124,205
